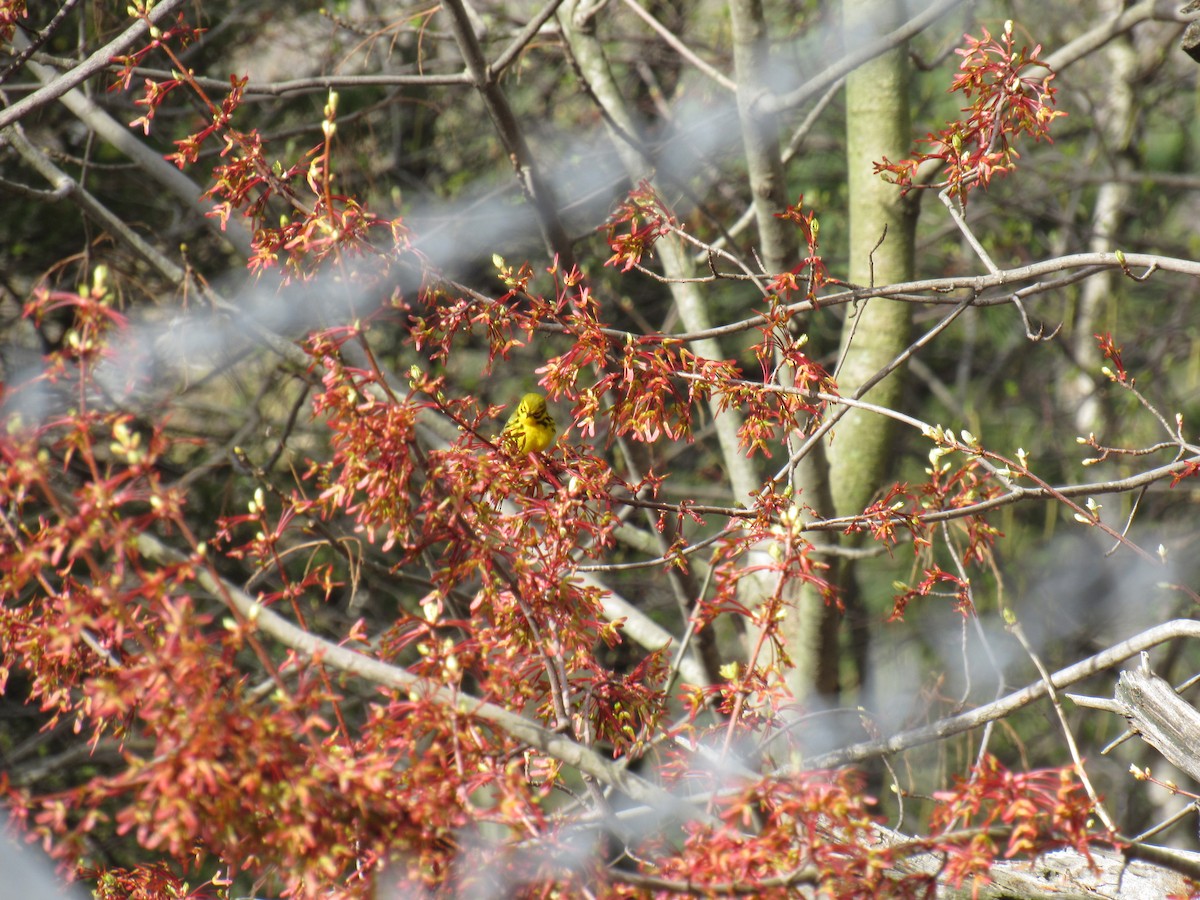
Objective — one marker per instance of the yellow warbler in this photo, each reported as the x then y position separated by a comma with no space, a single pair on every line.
530,428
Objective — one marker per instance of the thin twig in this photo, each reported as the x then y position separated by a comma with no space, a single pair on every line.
1010,703
680,47
1097,804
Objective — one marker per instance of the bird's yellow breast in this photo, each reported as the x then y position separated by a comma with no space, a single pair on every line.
530,428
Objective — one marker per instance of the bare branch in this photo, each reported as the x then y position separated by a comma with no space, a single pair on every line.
1006,706
539,192
680,47
852,61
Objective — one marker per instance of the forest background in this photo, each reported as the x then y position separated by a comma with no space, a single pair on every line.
871,339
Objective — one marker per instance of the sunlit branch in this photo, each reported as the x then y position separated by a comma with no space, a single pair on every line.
852,60
1007,705
327,653
313,84
976,285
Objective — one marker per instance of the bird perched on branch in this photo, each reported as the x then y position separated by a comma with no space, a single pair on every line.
530,428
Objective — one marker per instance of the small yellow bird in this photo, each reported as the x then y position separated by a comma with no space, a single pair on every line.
530,428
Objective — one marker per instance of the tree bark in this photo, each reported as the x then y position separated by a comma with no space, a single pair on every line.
882,227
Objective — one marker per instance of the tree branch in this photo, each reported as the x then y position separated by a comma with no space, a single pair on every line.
1007,705
149,161
327,653
906,291
851,61
97,62
680,47
539,193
